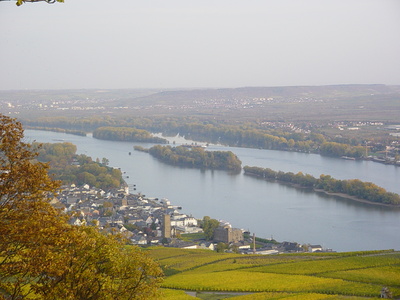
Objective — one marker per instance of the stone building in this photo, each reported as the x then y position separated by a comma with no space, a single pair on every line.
227,234
166,228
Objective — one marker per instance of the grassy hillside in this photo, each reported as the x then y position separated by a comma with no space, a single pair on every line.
210,275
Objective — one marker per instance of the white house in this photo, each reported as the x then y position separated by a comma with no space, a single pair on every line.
177,223
314,248
190,221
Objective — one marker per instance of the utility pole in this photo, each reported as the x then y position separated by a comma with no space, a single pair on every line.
254,243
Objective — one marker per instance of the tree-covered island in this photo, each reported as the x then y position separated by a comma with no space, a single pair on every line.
355,188
126,134
195,157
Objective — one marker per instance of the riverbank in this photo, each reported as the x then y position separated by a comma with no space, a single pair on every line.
345,196
341,195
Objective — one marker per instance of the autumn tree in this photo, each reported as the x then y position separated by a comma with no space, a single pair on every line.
221,247
41,255
209,225
25,215
96,266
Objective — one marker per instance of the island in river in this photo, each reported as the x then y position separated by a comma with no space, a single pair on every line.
353,189
195,157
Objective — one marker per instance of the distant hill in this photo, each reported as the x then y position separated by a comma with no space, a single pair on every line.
178,97
294,103
355,102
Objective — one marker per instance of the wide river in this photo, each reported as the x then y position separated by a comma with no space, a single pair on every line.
265,208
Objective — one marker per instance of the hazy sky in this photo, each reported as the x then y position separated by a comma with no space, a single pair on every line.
202,43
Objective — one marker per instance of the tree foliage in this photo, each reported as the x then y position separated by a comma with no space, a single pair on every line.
353,187
221,247
100,267
244,134
126,134
209,225
41,255
67,166
337,150
196,157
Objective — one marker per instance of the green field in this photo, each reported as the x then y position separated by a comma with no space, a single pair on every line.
211,275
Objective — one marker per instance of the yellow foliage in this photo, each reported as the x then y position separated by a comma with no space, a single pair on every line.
41,255
167,294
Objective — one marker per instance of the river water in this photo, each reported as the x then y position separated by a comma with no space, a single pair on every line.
267,209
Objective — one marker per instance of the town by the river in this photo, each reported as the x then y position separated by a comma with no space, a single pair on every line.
265,208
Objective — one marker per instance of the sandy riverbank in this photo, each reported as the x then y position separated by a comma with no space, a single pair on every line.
342,195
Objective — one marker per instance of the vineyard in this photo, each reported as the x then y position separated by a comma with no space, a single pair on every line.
211,275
